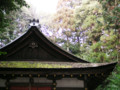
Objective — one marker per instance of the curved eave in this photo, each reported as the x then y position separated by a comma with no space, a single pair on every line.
56,47
76,70
35,30
95,75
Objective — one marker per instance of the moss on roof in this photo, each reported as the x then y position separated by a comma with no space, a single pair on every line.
30,64
37,64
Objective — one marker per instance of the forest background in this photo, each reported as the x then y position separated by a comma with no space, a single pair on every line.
90,29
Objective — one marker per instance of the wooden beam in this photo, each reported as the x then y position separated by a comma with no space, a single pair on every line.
85,82
31,80
54,84
7,84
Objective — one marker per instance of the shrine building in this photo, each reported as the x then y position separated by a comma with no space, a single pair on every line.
33,62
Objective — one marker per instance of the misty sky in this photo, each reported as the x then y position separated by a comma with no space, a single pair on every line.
48,6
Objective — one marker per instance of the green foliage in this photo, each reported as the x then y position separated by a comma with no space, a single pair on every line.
17,25
64,19
111,13
73,48
6,6
3,53
90,29
99,22
113,82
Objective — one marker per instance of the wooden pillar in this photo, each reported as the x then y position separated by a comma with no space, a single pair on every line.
54,85
7,84
85,82
30,82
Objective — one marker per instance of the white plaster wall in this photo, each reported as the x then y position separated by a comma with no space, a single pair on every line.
26,80
20,79
2,83
70,82
42,80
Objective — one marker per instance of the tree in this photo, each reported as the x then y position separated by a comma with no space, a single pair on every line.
112,19
6,6
64,19
88,24
111,41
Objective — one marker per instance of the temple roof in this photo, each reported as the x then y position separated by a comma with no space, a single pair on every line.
34,46
34,54
36,64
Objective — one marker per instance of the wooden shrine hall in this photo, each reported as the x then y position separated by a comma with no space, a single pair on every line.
33,62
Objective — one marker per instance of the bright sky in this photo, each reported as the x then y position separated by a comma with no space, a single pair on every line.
44,5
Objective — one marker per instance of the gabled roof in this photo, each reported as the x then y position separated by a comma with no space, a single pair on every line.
34,46
23,56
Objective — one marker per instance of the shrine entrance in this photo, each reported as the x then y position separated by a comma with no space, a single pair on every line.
29,88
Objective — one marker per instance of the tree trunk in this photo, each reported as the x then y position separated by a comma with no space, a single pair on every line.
78,41
67,44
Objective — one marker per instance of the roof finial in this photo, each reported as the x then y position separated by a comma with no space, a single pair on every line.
34,22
